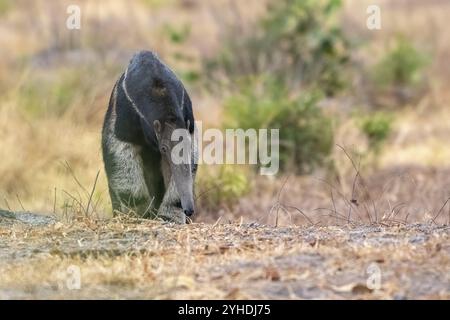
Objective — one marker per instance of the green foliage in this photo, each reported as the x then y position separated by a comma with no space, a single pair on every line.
402,66
222,187
303,32
377,128
156,4
306,134
178,35
43,95
5,6
298,42
190,76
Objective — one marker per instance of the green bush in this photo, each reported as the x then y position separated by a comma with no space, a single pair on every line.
377,128
399,76
298,42
306,135
178,35
52,95
222,186
401,66
156,4
5,6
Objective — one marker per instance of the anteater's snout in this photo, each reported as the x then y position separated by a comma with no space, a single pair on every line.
188,212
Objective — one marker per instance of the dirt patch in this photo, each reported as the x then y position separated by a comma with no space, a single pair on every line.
152,260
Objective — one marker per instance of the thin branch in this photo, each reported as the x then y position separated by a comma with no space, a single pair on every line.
92,193
54,203
440,210
75,178
75,200
301,212
20,202
7,204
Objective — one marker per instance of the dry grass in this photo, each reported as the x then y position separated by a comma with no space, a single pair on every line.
148,259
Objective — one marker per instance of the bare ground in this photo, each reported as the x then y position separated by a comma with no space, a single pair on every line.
132,258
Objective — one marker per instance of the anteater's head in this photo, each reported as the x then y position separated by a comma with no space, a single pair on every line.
165,114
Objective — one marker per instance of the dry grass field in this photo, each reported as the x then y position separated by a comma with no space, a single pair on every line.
312,236
138,259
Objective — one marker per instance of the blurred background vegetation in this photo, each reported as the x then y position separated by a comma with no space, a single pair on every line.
346,99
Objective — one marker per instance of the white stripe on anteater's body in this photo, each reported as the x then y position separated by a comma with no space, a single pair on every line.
133,104
127,176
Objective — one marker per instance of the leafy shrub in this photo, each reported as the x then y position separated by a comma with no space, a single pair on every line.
399,76
377,128
298,42
45,95
178,36
401,66
5,6
155,4
306,135
221,186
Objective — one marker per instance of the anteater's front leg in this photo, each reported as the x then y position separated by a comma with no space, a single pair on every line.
124,169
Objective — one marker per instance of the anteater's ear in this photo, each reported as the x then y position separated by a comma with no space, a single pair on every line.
158,88
157,127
